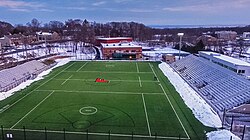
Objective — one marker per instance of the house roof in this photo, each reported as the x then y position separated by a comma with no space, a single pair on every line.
120,45
229,59
114,38
43,33
14,36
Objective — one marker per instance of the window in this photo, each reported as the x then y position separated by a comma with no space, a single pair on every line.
241,71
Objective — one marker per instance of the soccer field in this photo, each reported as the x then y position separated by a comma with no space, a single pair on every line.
137,102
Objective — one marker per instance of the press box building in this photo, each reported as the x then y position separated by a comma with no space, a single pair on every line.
233,64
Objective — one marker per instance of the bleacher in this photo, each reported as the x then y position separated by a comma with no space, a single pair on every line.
10,78
220,87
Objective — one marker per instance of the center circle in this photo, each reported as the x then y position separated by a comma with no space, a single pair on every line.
88,110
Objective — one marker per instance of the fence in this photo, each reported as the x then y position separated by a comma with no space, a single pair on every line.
45,134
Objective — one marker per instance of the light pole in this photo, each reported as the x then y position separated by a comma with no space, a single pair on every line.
180,35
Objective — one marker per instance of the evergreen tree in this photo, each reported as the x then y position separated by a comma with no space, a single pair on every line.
199,47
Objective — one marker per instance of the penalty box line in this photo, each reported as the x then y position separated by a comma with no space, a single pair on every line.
137,68
82,66
99,134
102,92
66,80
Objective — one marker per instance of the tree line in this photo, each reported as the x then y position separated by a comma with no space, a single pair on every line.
81,30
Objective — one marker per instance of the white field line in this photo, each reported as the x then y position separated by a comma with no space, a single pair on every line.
66,80
137,68
38,87
98,134
153,71
32,110
4,108
82,66
174,111
146,114
169,102
133,81
104,92
108,72
140,81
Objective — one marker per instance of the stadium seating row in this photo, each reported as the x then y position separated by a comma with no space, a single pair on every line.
10,78
220,87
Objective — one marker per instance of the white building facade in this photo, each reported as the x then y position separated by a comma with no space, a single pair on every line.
238,66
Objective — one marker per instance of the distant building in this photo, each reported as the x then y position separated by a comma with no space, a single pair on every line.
101,40
15,39
208,40
121,50
168,58
233,64
5,41
47,36
246,35
226,35
160,52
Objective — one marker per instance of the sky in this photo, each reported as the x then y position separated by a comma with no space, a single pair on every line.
148,12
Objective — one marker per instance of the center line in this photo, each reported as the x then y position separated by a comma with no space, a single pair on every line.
145,109
66,80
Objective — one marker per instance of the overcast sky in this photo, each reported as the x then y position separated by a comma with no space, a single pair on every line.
149,12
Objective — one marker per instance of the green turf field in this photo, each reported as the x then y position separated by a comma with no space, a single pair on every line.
137,103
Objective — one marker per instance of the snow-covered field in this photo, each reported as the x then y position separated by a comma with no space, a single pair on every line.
201,110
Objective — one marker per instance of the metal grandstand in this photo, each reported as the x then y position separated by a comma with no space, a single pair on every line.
10,78
222,88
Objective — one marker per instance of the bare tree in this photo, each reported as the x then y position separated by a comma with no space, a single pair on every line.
34,25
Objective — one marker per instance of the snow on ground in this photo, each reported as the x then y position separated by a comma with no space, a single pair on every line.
201,110
221,135
82,53
5,95
61,49
157,53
